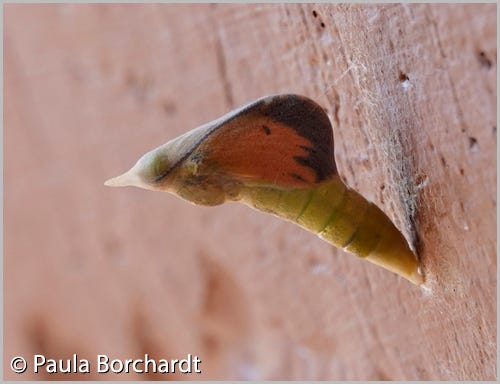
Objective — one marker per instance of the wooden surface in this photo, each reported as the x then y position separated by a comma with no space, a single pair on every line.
411,91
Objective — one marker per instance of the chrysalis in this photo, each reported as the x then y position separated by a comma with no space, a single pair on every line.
276,155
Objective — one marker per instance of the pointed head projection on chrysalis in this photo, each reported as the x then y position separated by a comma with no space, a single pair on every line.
284,141
276,155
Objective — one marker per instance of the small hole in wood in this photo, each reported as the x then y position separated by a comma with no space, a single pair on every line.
484,60
403,77
473,144
315,14
421,180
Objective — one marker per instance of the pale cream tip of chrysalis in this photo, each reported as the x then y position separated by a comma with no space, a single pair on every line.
129,178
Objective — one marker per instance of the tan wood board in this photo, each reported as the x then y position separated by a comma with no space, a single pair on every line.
411,91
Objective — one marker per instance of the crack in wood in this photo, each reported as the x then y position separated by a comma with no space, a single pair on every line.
435,32
222,65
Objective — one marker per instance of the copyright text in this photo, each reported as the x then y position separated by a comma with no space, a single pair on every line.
104,364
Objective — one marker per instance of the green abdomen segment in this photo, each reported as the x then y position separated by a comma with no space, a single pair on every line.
344,218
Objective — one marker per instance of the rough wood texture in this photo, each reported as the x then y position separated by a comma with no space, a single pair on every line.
411,90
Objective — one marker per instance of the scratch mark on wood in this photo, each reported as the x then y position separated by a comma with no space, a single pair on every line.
451,83
222,65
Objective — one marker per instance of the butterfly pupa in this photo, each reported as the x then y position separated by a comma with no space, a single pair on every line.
276,154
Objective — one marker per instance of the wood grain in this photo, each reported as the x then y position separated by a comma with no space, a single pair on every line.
411,91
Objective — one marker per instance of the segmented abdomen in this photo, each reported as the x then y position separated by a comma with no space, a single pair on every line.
344,218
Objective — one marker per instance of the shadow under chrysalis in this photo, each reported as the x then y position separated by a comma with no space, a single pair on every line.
276,154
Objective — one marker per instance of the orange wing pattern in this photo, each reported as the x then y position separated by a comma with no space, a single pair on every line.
284,140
